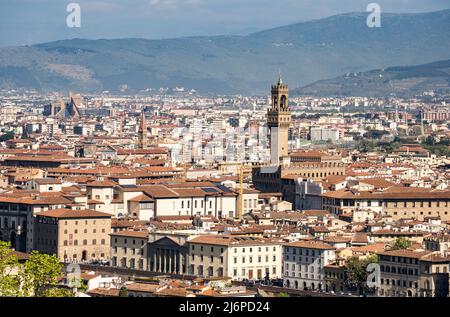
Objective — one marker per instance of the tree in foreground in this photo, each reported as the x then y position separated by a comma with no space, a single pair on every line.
37,277
357,272
123,292
9,265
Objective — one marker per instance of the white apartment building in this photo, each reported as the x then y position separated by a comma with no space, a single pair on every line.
304,263
258,261
319,133
237,257
190,199
100,195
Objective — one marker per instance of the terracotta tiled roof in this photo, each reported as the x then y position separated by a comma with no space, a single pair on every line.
315,213
174,218
159,191
126,223
383,232
370,248
95,202
142,152
309,154
104,292
69,213
319,229
406,253
312,244
378,182
34,200
337,239
141,198
143,287
47,181
131,234
101,184
228,240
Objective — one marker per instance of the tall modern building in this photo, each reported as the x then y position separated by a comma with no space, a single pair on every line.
278,121
142,132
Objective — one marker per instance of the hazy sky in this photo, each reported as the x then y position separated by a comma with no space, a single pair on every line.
35,21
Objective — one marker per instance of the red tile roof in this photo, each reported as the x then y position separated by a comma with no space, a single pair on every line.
311,244
69,213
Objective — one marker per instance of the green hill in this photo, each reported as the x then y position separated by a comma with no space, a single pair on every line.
405,81
305,53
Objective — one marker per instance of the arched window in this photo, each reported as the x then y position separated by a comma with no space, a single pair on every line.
283,103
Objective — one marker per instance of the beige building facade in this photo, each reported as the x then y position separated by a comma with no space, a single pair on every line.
129,249
73,235
403,203
406,273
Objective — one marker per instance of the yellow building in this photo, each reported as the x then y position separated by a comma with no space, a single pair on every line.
395,203
406,273
129,249
73,235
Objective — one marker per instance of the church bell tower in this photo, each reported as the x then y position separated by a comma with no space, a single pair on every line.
278,121
142,132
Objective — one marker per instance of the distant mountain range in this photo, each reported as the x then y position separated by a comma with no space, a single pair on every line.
304,52
406,81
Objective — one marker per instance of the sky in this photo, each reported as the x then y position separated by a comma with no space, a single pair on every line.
26,22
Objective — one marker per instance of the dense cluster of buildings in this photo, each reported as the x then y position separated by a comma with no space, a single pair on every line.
214,200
